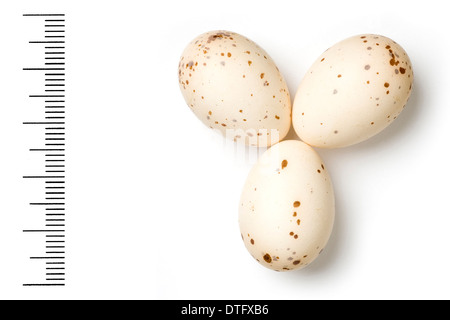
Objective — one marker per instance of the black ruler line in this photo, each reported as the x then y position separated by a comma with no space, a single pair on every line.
43,284
38,69
46,204
55,273
50,41
46,96
43,14
46,230
43,177
45,122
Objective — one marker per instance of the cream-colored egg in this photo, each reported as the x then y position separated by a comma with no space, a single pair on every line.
286,210
353,91
232,84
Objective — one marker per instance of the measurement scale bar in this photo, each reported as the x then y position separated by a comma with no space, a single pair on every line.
53,199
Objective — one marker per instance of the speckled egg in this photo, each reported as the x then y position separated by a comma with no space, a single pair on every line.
286,210
353,91
231,84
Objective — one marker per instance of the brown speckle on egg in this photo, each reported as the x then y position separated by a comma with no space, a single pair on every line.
249,63
296,204
261,75
267,258
277,117
386,85
228,54
252,241
367,67
402,70
284,164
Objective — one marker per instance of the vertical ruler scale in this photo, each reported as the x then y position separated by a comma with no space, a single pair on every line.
51,177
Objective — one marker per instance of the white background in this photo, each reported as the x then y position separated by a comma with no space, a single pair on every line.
152,194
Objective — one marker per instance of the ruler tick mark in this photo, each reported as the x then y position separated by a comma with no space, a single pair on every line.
44,15
46,42
44,285
39,69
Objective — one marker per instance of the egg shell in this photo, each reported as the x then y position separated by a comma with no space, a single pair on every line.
287,208
232,85
353,91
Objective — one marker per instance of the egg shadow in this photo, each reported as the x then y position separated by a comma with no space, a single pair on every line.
408,121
